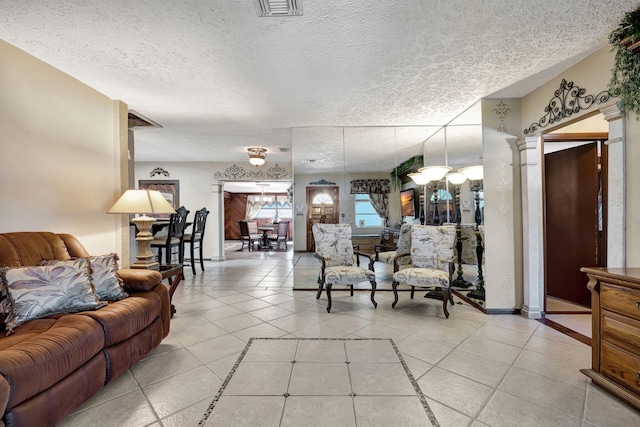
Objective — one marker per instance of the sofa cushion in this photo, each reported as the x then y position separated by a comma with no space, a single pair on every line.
42,352
31,248
41,291
123,319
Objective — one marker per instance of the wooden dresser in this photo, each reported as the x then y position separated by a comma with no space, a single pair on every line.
615,304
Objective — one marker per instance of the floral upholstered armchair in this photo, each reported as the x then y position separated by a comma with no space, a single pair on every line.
432,263
334,249
403,247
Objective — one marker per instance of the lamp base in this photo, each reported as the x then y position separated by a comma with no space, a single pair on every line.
145,258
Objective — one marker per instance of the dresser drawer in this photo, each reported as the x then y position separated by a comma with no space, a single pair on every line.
620,300
621,331
621,366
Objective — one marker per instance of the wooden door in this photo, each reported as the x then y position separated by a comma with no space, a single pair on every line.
571,221
322,206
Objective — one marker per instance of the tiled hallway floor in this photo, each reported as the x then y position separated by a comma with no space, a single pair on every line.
474,369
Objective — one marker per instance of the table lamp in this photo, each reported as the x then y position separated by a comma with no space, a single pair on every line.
143,202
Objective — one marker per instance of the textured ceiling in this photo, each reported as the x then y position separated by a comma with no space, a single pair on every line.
220,79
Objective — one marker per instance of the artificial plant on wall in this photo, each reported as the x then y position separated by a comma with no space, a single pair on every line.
625,81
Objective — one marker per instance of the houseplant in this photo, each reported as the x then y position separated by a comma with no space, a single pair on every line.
625,79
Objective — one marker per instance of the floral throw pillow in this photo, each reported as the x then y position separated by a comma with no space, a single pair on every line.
105,277
41,291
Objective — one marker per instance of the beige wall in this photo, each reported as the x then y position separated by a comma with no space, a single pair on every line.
503,208
592,73
59,153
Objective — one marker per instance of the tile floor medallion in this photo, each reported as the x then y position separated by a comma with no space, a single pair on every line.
291,381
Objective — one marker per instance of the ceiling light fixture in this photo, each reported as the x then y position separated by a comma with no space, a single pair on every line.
257,155
279,7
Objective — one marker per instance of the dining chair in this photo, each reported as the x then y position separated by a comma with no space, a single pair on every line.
432,262
174,238
194,239
334,249
247,237
281,235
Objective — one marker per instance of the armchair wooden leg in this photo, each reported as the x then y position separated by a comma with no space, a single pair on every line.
329,297
373,292
320,286
413,289
351,289
394,285
446,295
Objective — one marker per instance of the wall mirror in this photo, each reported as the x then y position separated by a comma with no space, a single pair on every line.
325,160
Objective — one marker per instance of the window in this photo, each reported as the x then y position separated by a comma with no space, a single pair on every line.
366,216
277,209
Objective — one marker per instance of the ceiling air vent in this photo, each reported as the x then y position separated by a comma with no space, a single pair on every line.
279,7
138,120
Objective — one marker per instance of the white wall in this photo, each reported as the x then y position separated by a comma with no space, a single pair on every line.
59,153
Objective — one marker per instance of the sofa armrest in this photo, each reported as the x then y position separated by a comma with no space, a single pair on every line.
135,279
5,390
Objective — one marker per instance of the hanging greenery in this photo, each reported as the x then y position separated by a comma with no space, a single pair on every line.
625,81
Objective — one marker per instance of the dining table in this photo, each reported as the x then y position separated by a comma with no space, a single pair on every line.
265,235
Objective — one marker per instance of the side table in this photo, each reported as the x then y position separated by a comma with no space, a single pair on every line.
175,274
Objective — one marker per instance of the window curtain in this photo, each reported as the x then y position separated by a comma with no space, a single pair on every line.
378,191
254,203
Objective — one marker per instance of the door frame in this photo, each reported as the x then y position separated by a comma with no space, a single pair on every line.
308,225
601,137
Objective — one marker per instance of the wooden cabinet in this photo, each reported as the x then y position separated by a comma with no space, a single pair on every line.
366,242
615,304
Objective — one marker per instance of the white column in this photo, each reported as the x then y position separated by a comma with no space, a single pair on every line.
217,222
616,253
532,238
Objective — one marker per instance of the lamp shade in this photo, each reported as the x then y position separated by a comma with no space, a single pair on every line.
419,178
141,202
473,173
456,178
435,173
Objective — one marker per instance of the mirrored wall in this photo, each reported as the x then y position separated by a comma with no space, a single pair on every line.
327,161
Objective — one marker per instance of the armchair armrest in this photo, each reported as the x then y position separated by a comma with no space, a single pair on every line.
382,248
138,280
396,261
323,264
368,256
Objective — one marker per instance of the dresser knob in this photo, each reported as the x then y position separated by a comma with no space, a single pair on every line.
638,304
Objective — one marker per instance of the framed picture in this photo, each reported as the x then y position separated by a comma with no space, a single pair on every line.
170,189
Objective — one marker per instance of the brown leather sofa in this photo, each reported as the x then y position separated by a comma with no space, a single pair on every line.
50,366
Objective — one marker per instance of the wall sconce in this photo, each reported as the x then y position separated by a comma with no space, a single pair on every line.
257,155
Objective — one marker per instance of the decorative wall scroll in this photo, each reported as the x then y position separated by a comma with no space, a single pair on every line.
237,172
159,171
567,100
370,186
322,182
502,111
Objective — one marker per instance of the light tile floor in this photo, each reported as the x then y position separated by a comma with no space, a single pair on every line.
474,369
